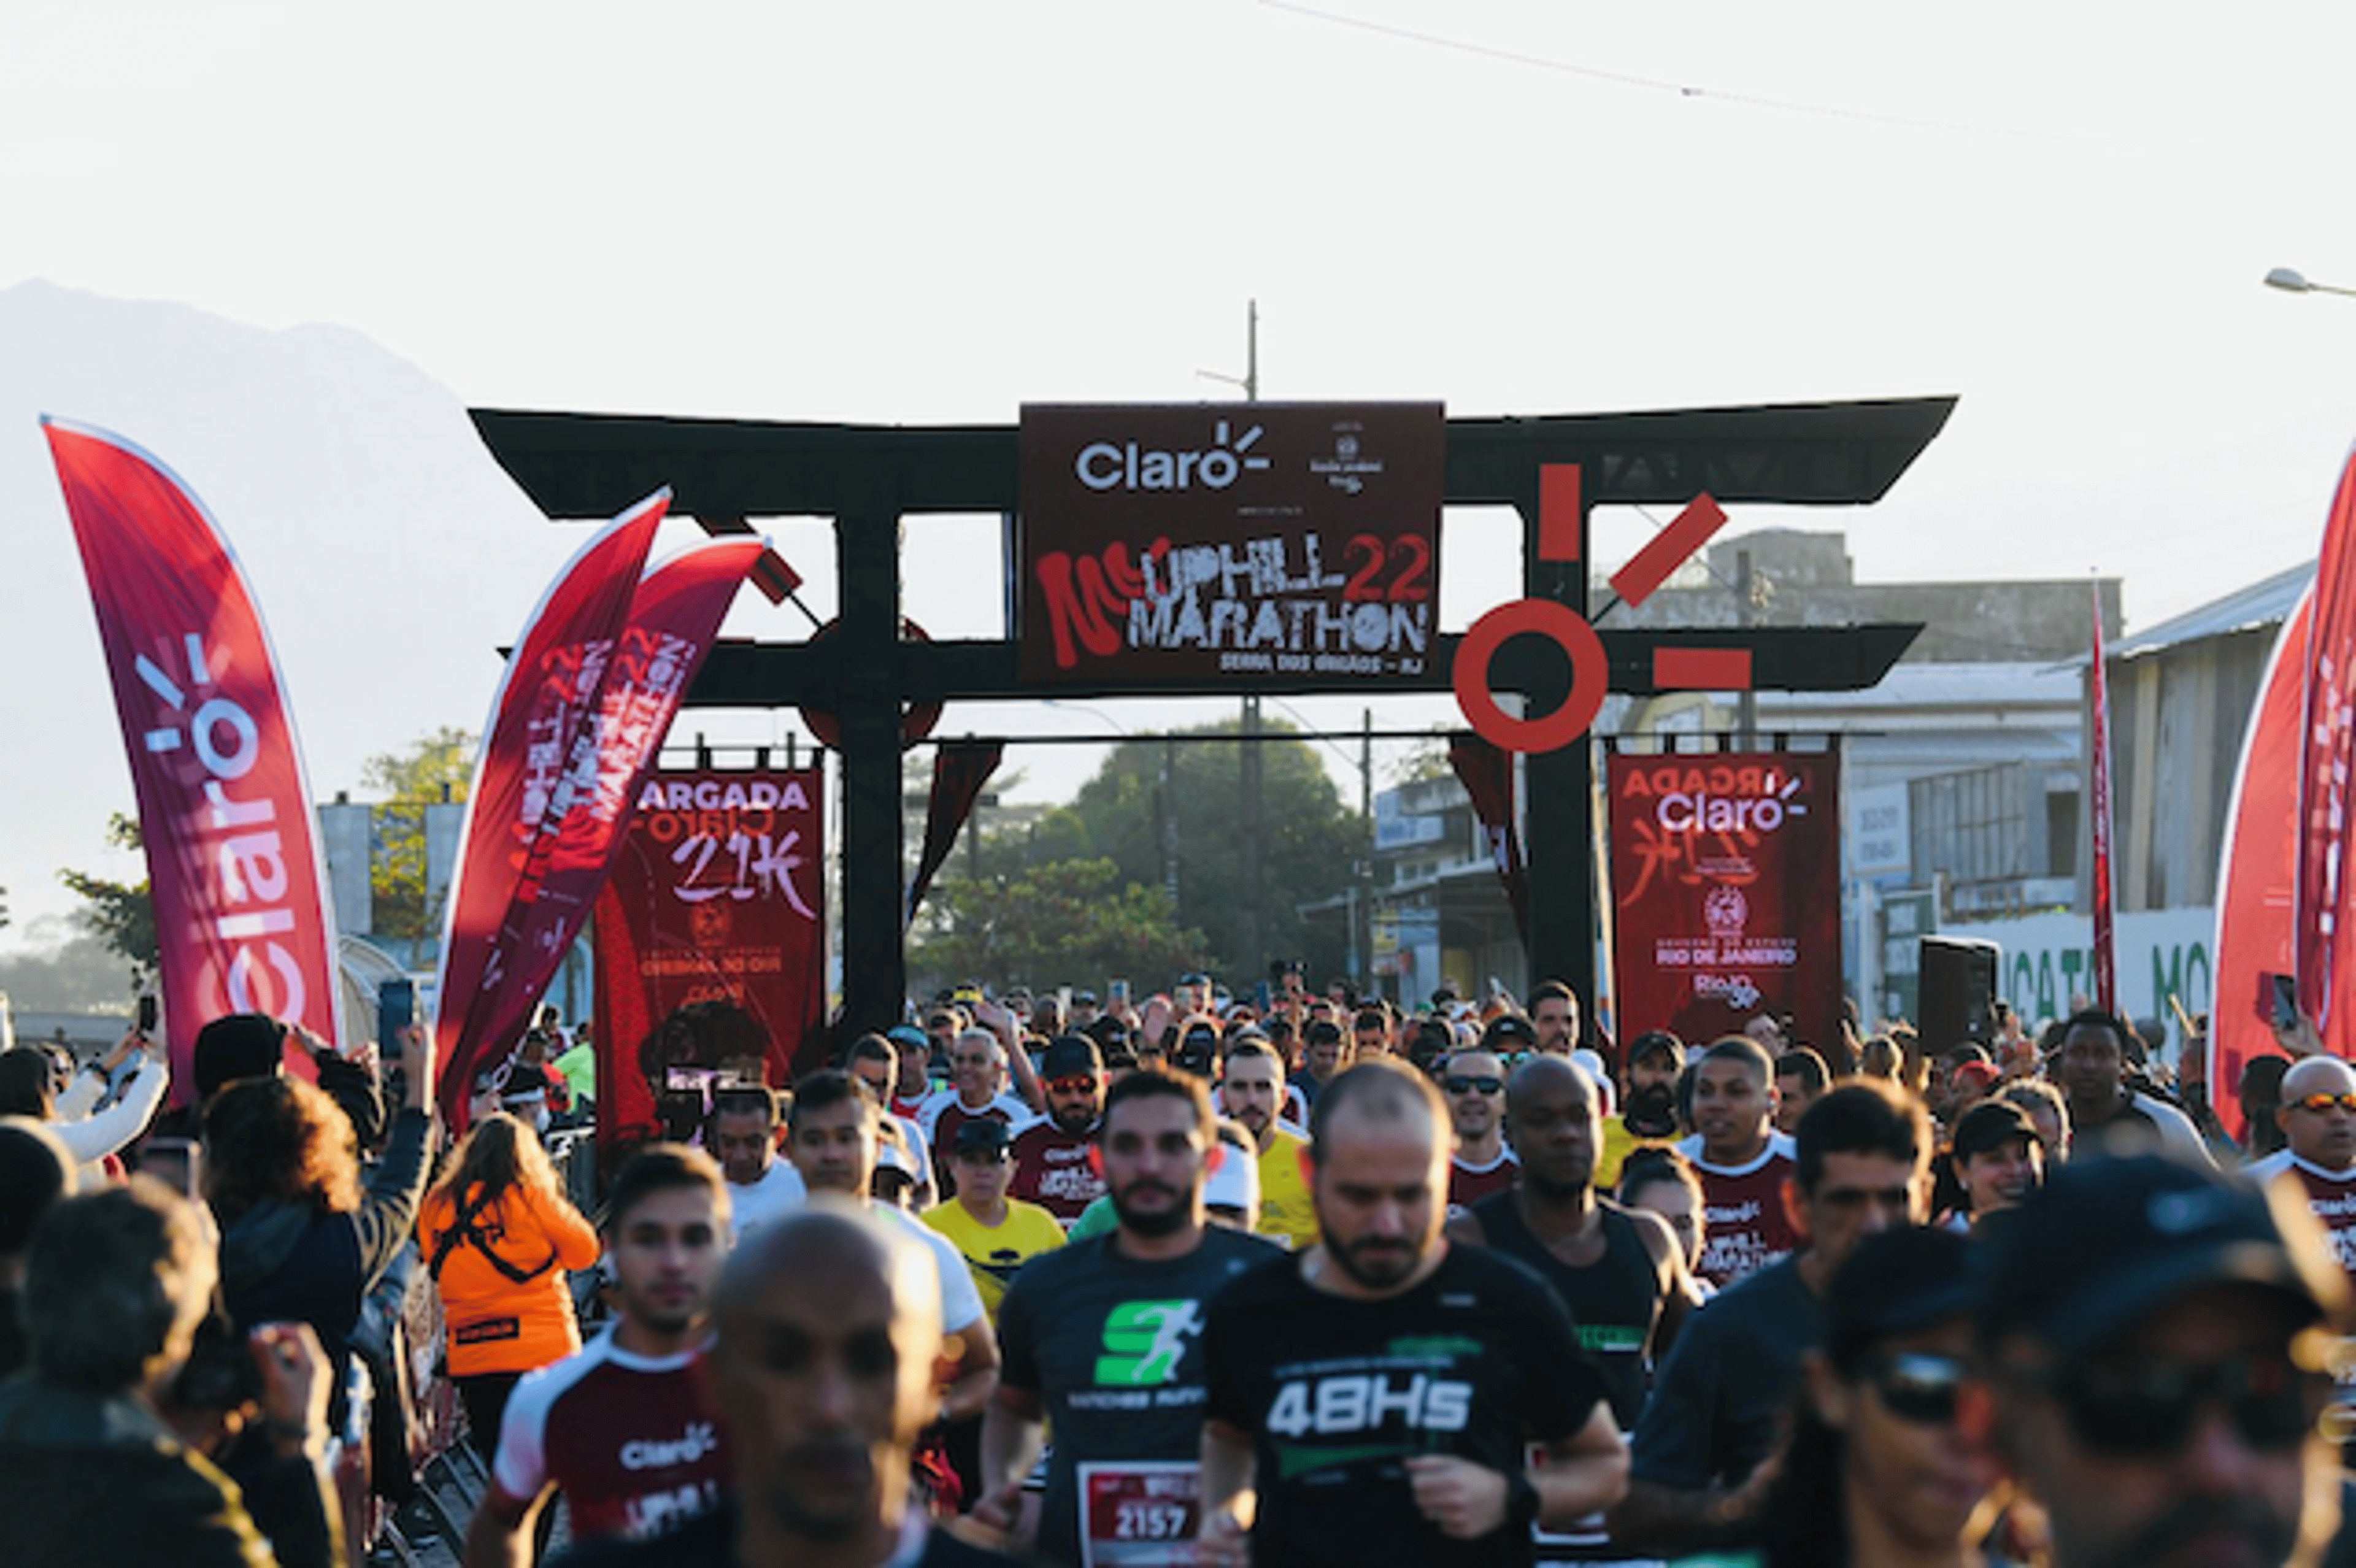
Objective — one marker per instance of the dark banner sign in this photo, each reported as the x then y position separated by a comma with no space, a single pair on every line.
1726,887
710,946
1201,541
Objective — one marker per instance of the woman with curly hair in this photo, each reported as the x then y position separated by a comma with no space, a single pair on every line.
498,1238
302,1240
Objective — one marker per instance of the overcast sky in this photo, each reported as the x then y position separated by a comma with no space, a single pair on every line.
914,213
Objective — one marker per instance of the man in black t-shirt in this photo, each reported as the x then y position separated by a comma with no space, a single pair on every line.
1103,1339
1371,1397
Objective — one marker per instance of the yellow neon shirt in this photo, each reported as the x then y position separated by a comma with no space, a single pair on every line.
993,1255
1286,1210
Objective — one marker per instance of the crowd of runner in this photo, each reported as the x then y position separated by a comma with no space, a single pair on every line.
1193,1280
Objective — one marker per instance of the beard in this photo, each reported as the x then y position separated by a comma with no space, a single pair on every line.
1376,1263
1652,1111
1151,1221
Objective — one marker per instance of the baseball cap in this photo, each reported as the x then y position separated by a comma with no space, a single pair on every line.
1895,1282
1980,1076
1657,1042
908,1035
1509,1031
2106,1240
1236,1183
983,1135
1069,1055
1991,1124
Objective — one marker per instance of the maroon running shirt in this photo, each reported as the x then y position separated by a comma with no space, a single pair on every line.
1745,1225
1468,1184
1051,1169
627,1439
2330,1194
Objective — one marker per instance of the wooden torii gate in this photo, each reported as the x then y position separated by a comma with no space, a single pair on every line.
867,477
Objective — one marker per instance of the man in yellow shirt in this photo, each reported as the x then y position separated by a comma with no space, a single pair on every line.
997,1234
1251,1093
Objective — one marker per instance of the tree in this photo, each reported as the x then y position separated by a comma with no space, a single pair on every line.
434,768
119,915
1311,844
1076,921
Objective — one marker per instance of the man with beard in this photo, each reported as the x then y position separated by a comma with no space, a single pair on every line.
1619,1271
623,1428
822,1371
1371,1400
1648,1097
1103,1337
1052,1156
1481,1164
1555,1012
2319,1117
1252,1093
2149,1372
1742,1160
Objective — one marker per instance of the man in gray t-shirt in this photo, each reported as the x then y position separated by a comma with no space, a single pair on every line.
1104,1337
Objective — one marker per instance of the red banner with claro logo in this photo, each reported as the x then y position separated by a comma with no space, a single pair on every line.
1726,892
1208,541
711,935
242,923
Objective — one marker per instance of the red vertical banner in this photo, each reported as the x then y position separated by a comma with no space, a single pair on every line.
242,922
1726,892
710,946
538,744
2321,932
2256,897
2104,892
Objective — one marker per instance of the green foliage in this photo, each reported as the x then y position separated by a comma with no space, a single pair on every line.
121,916
1060,920
1311,845
430,769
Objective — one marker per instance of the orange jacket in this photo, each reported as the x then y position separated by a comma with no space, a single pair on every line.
497,1322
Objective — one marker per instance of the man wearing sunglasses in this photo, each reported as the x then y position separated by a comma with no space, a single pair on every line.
1052,1165
2319,1117
1474,1084
2146,1369
1702,1475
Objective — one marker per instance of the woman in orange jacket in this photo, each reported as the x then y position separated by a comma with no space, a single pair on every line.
499,1237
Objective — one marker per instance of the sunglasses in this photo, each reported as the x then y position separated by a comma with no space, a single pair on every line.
2149,1411
2321,1102
1080,1083
1485,1085
1916,1387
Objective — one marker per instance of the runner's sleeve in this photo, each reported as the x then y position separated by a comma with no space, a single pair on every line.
1674,1440
521,1468
1018,1355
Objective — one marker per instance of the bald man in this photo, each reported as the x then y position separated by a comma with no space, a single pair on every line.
2318,1115
1372,1399
828,1326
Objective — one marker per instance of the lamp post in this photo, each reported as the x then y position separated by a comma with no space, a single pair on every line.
2290,279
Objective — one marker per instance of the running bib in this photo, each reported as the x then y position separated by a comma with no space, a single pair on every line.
1138,1515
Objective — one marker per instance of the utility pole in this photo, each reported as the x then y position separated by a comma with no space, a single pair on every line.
1362,932
1249,777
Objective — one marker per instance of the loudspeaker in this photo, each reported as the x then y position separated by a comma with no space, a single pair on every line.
1958,992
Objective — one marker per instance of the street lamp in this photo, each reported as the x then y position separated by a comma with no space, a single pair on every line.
2290,279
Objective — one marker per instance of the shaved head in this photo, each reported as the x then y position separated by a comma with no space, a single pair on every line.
2317,1075
1540,1074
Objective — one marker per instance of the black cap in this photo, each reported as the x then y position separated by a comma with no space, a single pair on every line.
241,1045
2107,1240
1083,998
1657,1042
1991,1124
1069,1054
1509,1031
1195,978
983,1135
1895,1282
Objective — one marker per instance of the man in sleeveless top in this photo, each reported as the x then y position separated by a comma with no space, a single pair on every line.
1620,1272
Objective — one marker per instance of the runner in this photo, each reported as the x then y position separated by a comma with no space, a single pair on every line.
624,1429
1742,1160
1483,1163
1252,1091
1053,1160
1371,1397
1103,1339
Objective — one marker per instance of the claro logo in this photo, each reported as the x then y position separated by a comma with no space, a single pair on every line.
1126,466
1718,799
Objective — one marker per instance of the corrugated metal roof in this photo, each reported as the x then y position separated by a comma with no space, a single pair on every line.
2265,603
